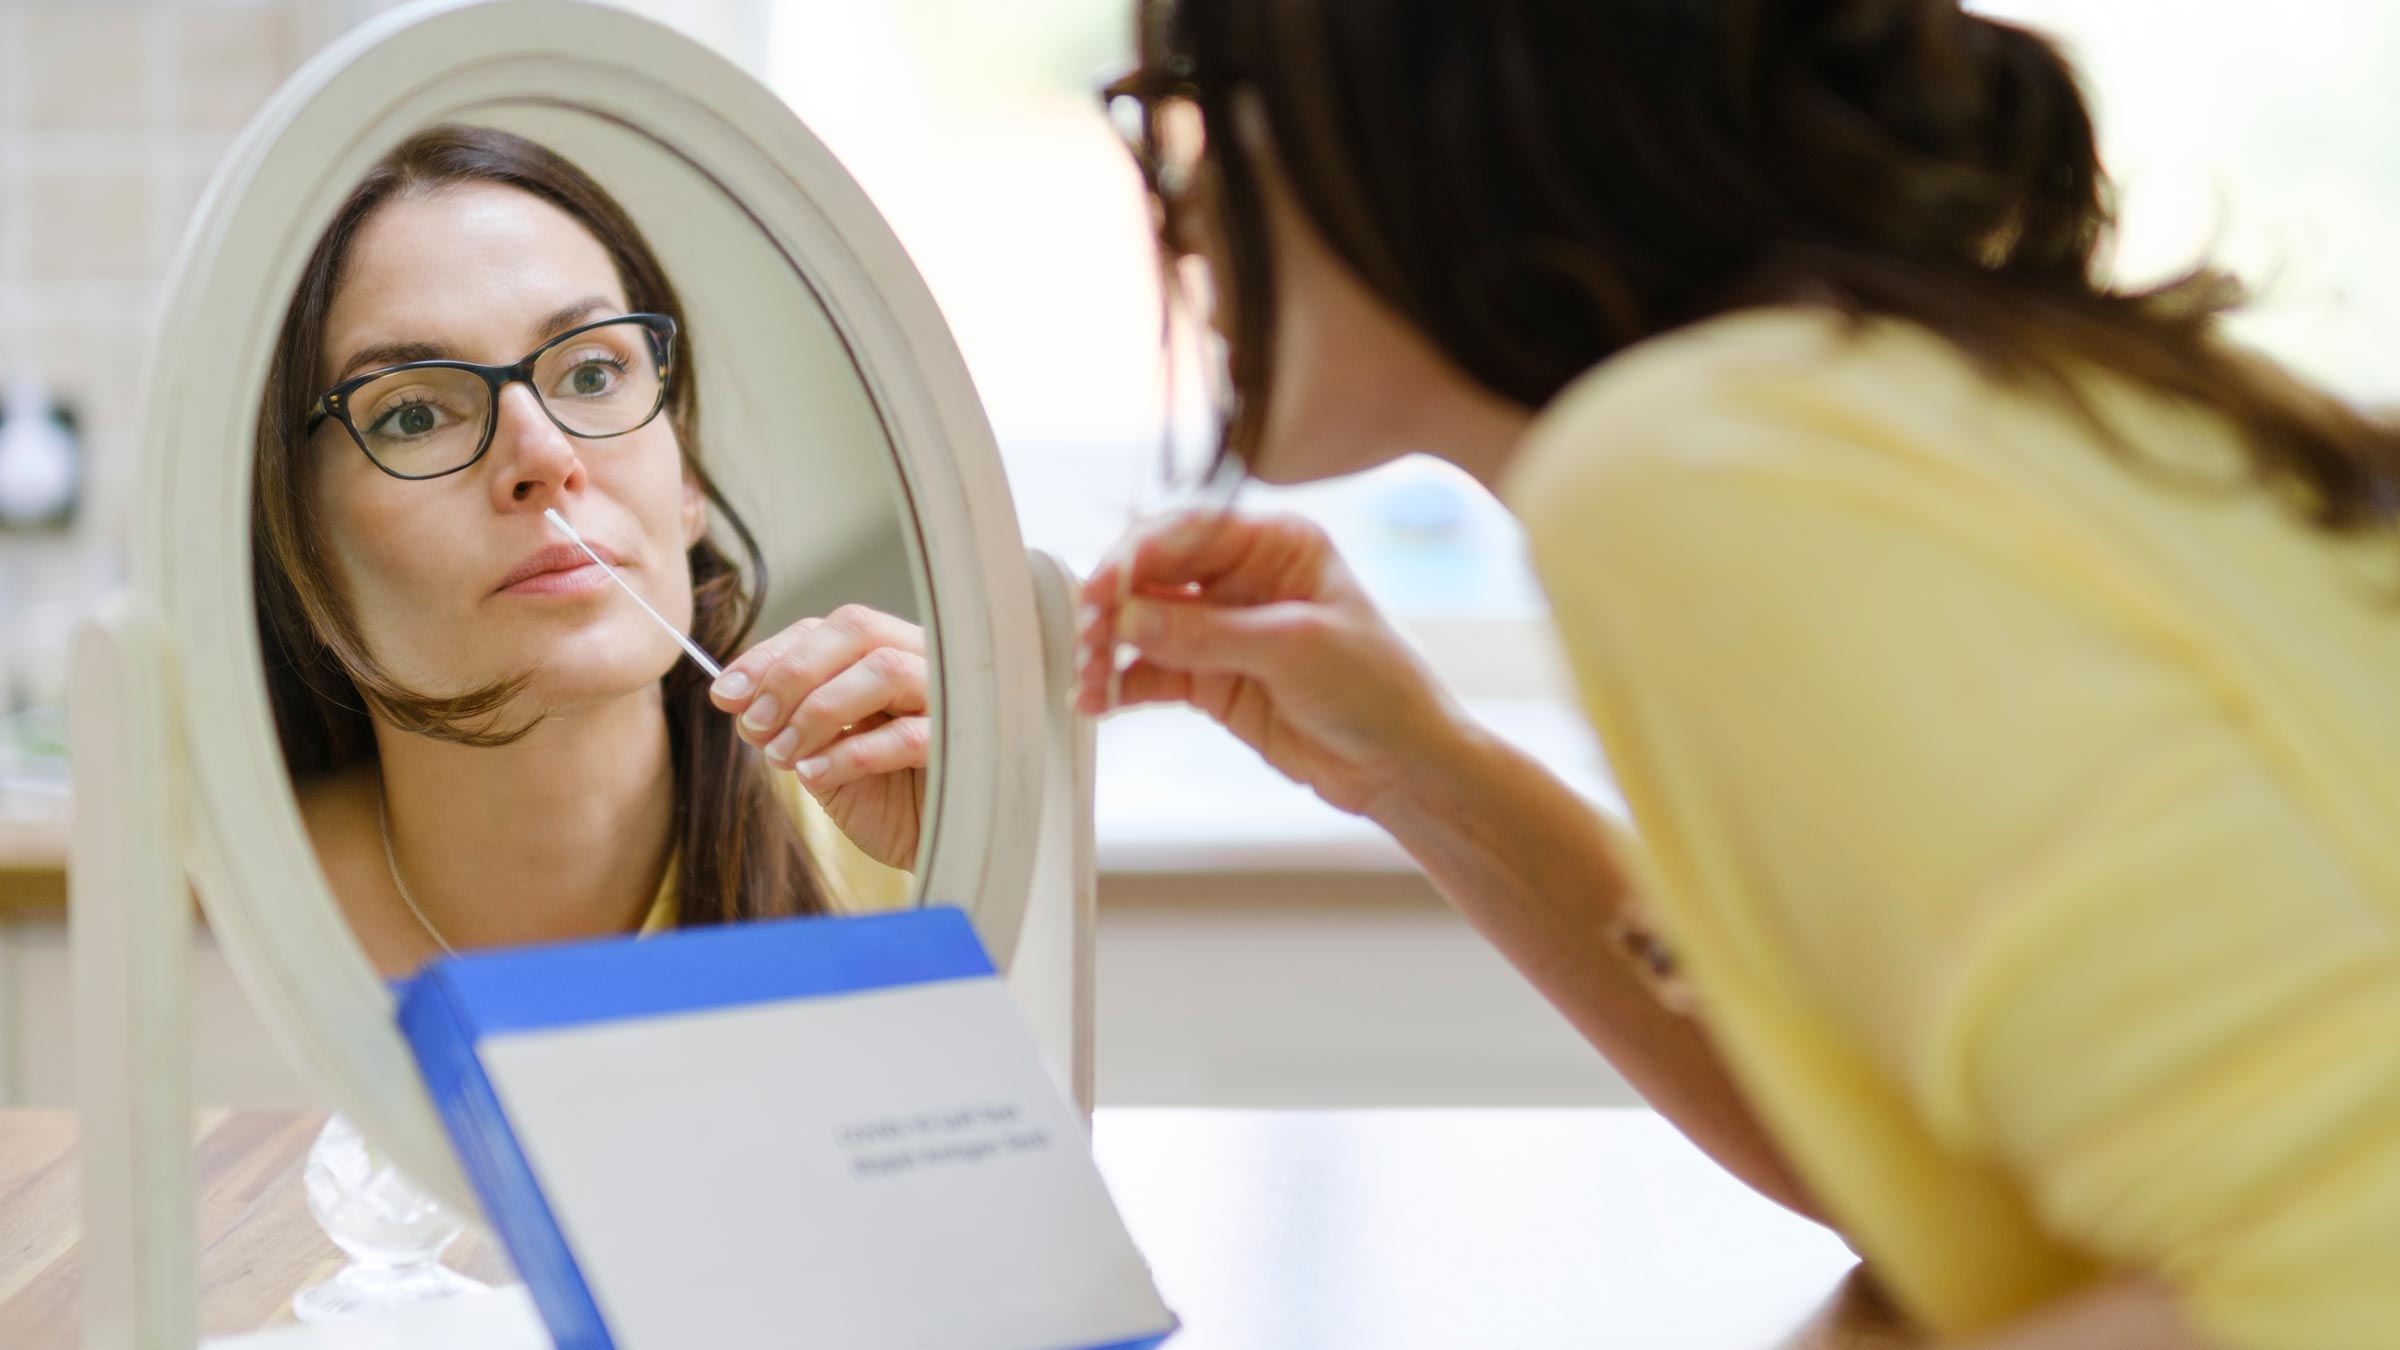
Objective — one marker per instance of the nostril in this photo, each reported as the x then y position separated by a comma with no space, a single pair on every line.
523,489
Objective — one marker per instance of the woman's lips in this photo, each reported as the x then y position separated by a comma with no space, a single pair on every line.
559,569
572,581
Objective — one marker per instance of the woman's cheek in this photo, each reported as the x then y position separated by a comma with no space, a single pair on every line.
658,495
401,582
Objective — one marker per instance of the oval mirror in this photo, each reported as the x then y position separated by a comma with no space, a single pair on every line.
386,543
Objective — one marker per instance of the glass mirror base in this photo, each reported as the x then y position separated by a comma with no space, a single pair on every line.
359,1291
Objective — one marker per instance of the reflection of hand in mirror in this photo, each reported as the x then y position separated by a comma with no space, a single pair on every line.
490,743
841,701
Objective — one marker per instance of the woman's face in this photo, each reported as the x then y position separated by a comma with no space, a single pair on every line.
1354,384
486,273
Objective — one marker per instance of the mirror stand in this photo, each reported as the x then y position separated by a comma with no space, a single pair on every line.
1050,969
129,919
130,916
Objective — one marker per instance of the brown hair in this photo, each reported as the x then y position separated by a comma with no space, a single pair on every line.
740,855
1538,184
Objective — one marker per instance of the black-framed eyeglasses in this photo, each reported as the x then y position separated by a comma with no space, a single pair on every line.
1158,115
425,419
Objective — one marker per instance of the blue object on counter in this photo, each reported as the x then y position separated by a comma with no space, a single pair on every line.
451,1009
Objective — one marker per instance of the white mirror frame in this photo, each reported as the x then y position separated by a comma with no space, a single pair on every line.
264,896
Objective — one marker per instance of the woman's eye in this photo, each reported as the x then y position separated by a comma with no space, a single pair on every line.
406,420
593,377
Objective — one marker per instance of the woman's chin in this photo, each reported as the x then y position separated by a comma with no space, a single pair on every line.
620,654
545,701
563,685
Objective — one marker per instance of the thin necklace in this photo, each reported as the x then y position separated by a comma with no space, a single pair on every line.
383,822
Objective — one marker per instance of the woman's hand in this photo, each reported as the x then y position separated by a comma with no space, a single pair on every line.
1255,621
841,700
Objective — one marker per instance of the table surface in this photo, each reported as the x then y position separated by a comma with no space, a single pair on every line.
1397,1230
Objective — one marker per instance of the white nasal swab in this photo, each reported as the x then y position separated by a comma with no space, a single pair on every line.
551,514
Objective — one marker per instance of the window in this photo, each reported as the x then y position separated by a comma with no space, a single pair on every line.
2263,136
2258,136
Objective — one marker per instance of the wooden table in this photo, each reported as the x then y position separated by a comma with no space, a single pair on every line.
258,1243
1267,1230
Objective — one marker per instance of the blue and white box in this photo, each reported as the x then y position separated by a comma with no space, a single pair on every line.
807,1132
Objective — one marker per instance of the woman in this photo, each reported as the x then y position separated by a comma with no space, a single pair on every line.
491,745
1997,664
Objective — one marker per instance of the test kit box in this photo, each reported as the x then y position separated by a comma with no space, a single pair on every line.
819,1131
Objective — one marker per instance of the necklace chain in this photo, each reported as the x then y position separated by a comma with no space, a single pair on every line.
383,823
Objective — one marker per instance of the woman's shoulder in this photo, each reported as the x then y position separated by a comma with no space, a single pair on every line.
1679,399
1810,419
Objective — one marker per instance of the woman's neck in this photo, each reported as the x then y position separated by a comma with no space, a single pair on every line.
1477,431
563,834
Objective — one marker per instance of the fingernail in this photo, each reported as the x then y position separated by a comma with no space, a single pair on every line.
784,746
815,768
1086,616
762,713
1140,621
732,684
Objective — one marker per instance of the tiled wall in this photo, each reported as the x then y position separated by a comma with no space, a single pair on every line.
112,116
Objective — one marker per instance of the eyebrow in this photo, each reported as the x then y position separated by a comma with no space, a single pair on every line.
566,316
389,354
557,321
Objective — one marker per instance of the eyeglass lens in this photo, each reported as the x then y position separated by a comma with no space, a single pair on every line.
601,382
1166,134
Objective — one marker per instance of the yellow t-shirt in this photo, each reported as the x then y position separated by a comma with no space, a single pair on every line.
2026,813
858,883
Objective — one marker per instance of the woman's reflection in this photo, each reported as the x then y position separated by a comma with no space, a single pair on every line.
491,744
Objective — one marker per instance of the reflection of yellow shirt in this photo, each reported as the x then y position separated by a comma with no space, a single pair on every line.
2029,825
858,883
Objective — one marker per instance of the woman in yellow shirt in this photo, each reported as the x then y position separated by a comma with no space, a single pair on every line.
490,744
1998,666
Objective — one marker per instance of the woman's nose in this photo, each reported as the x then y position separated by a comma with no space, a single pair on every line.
534,460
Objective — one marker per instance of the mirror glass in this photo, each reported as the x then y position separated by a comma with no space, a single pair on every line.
492,742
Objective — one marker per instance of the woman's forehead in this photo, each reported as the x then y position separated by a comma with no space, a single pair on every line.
473,268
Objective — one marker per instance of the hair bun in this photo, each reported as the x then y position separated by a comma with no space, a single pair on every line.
1934,130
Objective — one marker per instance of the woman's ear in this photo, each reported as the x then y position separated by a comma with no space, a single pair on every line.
695,510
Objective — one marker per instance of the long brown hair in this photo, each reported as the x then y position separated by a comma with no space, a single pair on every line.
1538,184
739,853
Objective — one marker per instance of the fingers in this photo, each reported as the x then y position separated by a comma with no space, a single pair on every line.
1202,637
886,681
1139,683
899,744
1239,559
1143,683
1215,556
786,668
1193,637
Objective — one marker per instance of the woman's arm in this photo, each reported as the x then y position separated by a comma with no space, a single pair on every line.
1255,621
1528,863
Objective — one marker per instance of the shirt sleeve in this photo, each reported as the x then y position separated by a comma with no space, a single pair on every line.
1931,757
